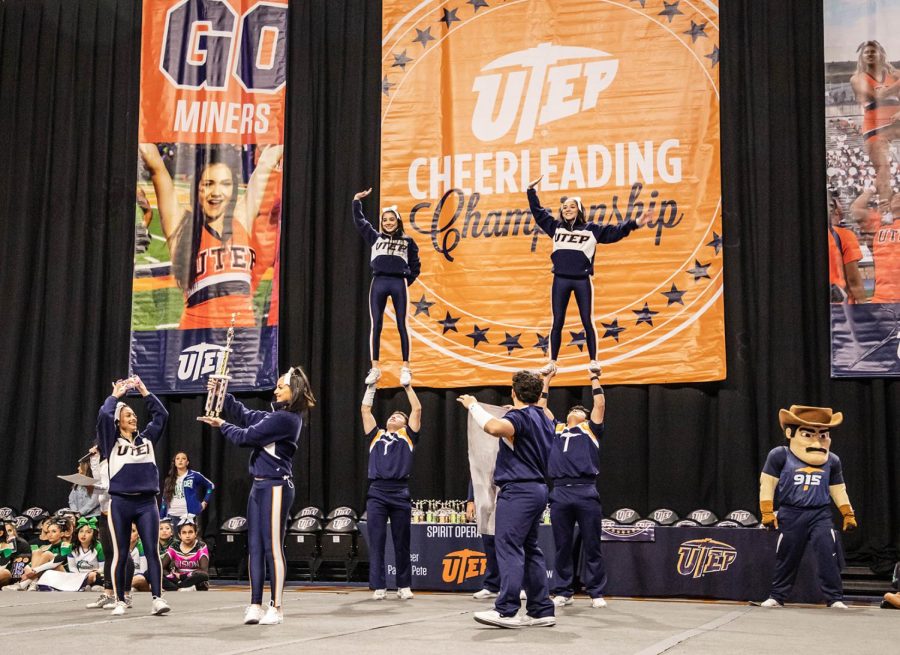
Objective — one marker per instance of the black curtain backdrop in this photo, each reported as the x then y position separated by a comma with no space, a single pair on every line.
69,74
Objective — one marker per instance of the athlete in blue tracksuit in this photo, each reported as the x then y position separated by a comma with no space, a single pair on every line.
133,485
526,436
490,586
574,245
573,468
805,477
395,265
273,438
390,465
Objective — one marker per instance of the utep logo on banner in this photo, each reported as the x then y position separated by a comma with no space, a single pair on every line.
581,93
461,565
700,557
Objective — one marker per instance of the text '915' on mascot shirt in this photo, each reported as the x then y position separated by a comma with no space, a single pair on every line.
273,436
131,464
391,453
576,451
801,484
523,457
394,257
574,248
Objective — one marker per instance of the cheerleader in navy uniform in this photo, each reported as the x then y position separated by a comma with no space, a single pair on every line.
573,468
273,438
574,245
390,464
395,265
133,485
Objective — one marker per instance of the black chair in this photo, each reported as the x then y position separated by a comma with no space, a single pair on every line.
704,517
625,516
315,512
741,519
24,526
301,547
663,516
36,513
7,513
686,523
229,548
338,544
341,511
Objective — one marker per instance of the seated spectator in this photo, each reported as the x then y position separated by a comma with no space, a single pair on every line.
139,580
54,555
14,554
166,536
187,563
87,554
85,500
41,538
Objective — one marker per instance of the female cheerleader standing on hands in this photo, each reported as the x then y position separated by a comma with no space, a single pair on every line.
273,438
395,265
574,245
133,484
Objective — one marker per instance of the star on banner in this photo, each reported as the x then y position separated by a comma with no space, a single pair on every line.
511,342
543,342
478,336
716,243
699,270
713,56
645,315
386,86
478,4
423,306
401,60
612,329
449,323
578,339
671,10
674,296
449,17
423,36
696,31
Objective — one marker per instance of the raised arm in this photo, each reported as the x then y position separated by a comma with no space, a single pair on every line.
496,427
545,395
171,213
542,217
598,411
158,415
107,432
248,207
363,226
365,409
415,408
240,415
274,427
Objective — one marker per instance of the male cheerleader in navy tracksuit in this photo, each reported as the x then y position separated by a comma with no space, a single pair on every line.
273,438
390,465
133,485
395,265
490,586
526,435
574,245
573,468
806,476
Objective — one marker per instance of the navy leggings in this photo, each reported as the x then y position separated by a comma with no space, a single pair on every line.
107,545
388,499
140,509
268,509
584,297
382,288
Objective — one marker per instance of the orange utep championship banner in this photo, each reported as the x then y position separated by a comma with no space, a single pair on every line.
613,101
209,178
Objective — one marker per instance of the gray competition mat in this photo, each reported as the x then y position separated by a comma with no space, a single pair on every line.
347,621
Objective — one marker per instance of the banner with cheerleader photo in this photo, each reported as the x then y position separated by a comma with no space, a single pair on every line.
613,101
209,178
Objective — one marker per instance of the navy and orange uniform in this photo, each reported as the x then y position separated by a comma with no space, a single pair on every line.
133,487
222,279
395,265
886,253
573,468
520,473
273,438
878,113
390,465
804,515
574,247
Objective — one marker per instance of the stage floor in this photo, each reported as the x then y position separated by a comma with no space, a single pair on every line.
347,621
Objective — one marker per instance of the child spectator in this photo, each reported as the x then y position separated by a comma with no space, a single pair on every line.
188,561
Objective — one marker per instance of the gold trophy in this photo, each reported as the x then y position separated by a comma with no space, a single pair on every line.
215,396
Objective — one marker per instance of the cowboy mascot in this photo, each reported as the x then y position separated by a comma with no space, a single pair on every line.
805,475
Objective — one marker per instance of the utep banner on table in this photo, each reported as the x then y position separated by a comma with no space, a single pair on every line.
616,102
861,140
208,213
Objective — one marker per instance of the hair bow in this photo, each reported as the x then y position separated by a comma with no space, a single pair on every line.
92,522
